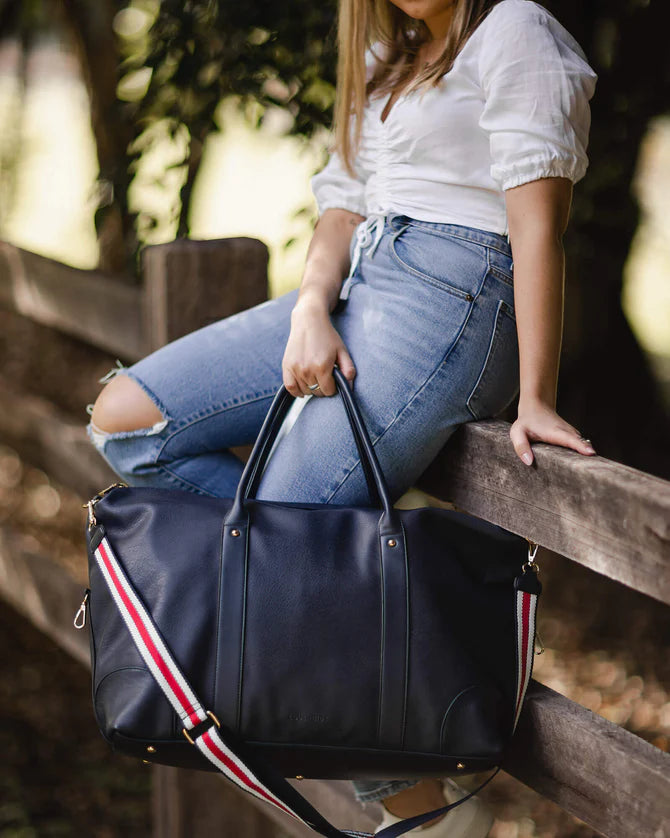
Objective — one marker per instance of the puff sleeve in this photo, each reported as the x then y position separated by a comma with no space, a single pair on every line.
333,187
537,85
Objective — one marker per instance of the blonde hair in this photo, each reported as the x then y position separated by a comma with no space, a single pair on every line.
363,24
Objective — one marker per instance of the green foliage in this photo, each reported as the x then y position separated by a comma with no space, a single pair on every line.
192,54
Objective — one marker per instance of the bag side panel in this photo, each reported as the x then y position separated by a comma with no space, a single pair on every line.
462,675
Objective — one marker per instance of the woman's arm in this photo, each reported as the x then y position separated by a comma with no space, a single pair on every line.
538,215
314,345
327,261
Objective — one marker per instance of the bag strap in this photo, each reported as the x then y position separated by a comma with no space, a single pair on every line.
232,757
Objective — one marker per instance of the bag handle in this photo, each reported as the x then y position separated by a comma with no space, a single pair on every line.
378,489
373,492
202,729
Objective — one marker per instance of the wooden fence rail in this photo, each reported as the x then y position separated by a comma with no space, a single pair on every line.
601,514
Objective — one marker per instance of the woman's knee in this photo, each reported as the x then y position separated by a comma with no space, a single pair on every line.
123,405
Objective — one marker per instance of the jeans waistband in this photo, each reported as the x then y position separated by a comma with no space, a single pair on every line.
487,237
369,233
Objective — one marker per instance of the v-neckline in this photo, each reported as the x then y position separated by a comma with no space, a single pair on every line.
388,107
385,114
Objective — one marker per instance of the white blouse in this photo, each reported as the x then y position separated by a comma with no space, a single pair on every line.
513,108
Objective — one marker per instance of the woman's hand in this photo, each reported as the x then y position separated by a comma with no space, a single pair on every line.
538,422
314,346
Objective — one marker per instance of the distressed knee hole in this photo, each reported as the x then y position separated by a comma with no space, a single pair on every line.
100,437
125,408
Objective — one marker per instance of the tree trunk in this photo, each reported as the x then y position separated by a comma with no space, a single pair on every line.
91,27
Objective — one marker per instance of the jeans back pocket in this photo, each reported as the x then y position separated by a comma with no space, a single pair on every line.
498,380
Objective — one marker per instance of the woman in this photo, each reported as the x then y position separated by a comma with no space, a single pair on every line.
461,128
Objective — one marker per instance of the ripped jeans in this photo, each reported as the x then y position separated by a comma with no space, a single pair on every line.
429,323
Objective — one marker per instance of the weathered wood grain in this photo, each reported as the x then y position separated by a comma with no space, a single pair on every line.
41,434
189,284
604,515
44,592
102,310
592,768
189,804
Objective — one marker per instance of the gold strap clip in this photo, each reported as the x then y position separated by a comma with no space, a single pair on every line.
531,564
90,504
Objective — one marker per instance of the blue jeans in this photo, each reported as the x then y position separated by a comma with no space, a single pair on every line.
429,323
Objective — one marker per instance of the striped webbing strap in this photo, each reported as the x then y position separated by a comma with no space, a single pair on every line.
205,733
526,609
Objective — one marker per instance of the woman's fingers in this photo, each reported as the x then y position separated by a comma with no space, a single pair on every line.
319,374
313,348
346,365
297,378
566,436
521,443
311,374
577,441
324,373
324,377
291,383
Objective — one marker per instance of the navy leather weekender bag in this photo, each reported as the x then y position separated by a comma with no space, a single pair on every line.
271,639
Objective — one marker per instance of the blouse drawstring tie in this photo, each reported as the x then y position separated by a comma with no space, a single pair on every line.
368,234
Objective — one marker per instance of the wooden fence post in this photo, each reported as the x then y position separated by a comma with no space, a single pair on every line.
186,285
198,803
189,284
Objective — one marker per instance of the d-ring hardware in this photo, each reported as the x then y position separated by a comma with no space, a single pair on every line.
188,736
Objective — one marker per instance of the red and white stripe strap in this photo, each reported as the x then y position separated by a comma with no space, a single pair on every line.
172,681
526,607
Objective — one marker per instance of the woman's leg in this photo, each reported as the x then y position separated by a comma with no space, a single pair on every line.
403,798
169,419
429,356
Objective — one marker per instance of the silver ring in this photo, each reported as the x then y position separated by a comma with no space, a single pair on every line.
313,386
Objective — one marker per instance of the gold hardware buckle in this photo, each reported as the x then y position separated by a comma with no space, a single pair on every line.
188,736
92,502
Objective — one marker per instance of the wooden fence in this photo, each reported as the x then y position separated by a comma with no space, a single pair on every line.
601,514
